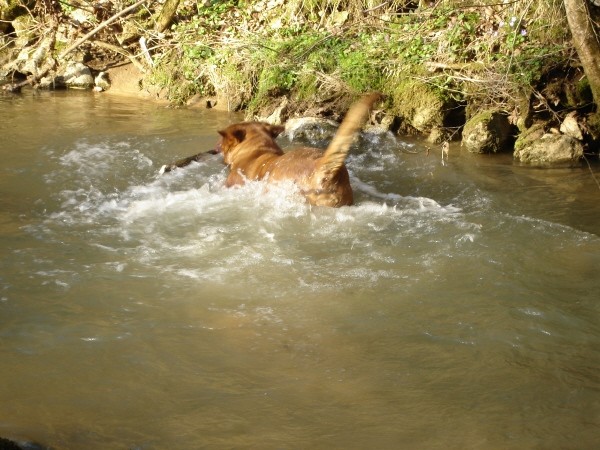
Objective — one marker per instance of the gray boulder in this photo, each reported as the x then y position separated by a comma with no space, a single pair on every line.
487,132
312,129
73,75
77,75
548,149
570,126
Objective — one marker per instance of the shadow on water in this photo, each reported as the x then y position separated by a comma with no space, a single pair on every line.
453,307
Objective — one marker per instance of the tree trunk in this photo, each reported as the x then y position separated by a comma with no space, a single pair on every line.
586,42
166,15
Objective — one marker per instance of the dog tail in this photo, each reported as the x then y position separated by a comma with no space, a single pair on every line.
335,155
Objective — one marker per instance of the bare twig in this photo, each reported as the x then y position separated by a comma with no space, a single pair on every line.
71,5
375,8
121,51
591,171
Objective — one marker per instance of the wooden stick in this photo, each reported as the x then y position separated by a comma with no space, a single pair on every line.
186,161
100,27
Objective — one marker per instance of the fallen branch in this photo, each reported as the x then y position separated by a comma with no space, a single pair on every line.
31,80
103,25
432,66
120,51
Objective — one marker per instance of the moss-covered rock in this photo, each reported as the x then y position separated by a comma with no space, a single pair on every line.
10,10
24,29
579,93
531,134
549,150
418,104
488,132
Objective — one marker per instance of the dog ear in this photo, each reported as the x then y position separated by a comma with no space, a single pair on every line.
275,130
236,134
239,134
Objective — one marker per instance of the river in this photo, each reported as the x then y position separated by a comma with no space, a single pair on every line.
455,306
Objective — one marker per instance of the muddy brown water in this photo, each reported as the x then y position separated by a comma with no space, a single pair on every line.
455,306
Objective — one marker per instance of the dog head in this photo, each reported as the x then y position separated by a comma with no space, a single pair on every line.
258,135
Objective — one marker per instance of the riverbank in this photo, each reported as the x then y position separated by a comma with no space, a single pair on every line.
499,77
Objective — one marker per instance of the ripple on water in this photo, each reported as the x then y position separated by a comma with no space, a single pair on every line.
187,225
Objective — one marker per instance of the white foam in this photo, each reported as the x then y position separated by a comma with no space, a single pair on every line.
188,225
409,202
89,156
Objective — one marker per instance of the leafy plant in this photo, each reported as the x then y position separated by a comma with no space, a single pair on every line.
259,50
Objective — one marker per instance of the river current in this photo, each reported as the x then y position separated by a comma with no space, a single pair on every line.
455,306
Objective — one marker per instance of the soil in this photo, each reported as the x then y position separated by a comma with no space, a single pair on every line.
126,79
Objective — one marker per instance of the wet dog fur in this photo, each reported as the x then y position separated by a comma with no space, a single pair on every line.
250,151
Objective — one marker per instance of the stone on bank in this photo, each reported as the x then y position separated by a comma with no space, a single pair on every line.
74,75
488,132
538,148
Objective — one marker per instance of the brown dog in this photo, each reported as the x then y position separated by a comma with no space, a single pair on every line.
250,151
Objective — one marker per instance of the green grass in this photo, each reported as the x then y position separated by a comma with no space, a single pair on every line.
482,55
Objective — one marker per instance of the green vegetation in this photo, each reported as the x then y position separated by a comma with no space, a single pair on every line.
489,53
424,55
